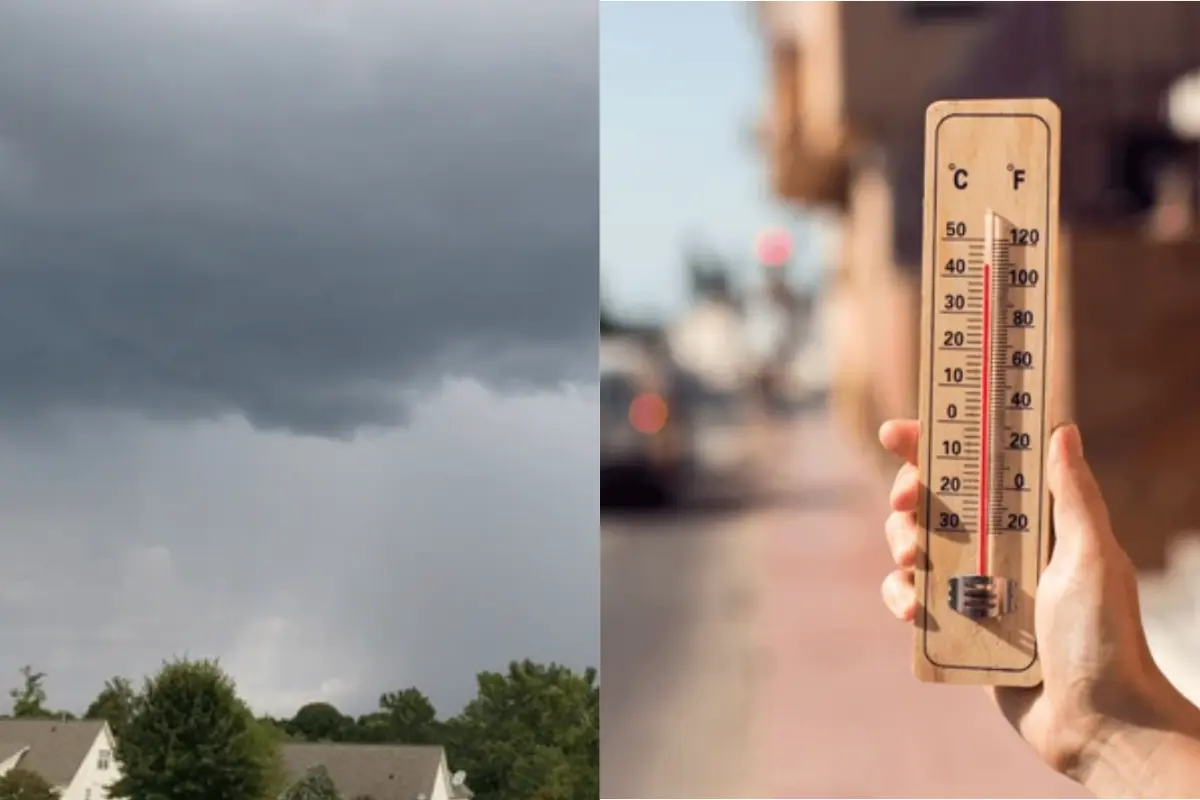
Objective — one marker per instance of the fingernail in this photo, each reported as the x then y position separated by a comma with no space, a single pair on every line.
1072,441
889,594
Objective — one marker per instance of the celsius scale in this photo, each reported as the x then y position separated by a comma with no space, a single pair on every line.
989,283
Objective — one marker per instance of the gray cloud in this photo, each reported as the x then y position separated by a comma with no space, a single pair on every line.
231,235
283,209
311,567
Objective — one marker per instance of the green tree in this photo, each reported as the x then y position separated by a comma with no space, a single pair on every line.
277,729
411,717
21,784
29,699
533,732
192,738
115,704
545,773
707,275
314,784
608,324
264,739
319,722
404,717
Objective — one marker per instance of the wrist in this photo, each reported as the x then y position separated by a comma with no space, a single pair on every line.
1146,746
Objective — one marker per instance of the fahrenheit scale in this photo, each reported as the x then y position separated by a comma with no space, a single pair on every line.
991,237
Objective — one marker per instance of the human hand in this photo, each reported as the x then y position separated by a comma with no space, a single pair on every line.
1097,672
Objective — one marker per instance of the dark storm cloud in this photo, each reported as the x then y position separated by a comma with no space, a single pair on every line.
287,209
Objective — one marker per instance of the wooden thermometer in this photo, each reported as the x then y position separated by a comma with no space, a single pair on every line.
991,238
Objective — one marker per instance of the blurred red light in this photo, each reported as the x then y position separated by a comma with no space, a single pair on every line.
648,414
775,248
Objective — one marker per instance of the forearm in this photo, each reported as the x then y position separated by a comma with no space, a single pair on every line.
1158,757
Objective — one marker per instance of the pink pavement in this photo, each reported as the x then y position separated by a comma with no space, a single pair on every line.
838,711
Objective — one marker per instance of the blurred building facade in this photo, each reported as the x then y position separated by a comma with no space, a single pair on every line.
844,132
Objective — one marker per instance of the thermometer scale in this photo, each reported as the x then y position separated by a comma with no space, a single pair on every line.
990,266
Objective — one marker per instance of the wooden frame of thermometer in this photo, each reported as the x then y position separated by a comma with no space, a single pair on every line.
989,286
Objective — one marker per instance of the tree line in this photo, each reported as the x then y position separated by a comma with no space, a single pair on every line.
532,731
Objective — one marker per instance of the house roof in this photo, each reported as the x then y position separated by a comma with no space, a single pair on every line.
10,749
57,748
381,771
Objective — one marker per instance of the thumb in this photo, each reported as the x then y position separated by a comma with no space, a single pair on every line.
1080,515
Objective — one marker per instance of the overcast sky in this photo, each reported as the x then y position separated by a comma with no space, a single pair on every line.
298,314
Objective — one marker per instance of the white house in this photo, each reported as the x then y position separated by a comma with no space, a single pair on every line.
380,771
75,757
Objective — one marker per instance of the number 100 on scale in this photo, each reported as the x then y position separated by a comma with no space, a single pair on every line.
988,379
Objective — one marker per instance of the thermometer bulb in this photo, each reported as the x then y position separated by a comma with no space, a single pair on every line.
982,596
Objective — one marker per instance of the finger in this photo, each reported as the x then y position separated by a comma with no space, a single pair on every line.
900,437
900,595
1080,515
902,538
906,488
1018,705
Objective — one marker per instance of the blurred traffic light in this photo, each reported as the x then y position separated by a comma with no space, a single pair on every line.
774,248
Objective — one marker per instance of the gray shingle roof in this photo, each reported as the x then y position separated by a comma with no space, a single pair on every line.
56,748
10,749
381,771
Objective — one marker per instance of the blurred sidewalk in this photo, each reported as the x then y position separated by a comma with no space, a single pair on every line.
838,712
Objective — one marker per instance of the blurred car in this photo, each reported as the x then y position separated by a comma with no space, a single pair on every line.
646,451
665,431
719,421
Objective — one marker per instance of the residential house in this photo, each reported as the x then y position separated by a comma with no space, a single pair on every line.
379,771
844,133
75,757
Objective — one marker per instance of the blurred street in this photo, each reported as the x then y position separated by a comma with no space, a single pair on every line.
677,657
746,652
678,652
